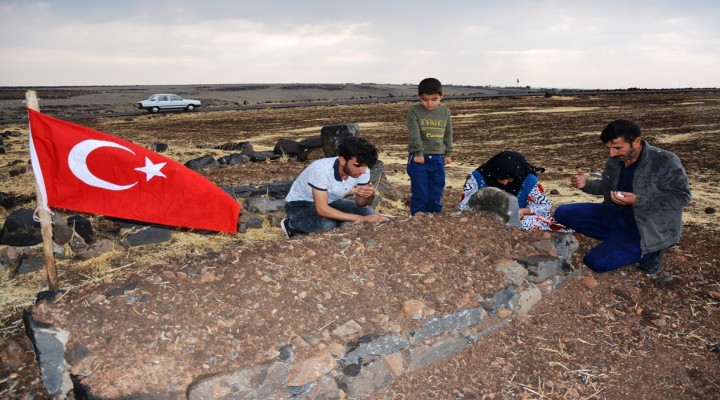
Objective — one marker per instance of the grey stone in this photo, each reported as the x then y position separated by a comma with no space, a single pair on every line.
159,147
248,221
31,264
472,338
437,326
263,155
494,302
96,249
83,227
77,244
373,376
383,345
288,147
20,229
566,245
50,345
324,389
234,159
377,172
422,356
333,135
147,235
244,147
61,231
10,201
513,272
204,162
388,191
246,191
257,382
541,268
264,205
276,190
496,201
311,155
527,299
313,142
10,257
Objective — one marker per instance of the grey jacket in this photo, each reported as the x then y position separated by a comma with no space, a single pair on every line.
662,189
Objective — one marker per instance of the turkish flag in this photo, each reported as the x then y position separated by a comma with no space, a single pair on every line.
82,169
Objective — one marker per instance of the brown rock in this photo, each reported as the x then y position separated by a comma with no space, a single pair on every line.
413,309
589,282
311,369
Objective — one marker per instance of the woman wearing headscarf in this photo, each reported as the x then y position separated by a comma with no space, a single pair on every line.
510,171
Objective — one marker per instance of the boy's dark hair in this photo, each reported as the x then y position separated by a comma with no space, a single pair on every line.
620,127
363,151
430,86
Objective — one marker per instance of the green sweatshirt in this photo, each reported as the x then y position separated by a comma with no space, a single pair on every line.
430,131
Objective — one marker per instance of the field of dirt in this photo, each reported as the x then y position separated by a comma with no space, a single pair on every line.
606,336
93,100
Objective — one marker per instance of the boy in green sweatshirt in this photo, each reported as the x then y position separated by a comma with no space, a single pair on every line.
430,148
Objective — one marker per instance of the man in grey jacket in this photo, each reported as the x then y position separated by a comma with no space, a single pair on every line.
645,189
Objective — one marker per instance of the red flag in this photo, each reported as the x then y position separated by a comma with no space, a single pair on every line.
82,169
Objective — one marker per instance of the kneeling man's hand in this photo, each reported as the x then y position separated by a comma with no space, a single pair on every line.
366,191
374,218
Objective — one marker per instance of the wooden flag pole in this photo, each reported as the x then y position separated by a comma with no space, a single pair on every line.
44,215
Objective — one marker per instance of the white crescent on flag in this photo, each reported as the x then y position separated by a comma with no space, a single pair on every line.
77,161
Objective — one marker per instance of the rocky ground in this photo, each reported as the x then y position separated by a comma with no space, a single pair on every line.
615,335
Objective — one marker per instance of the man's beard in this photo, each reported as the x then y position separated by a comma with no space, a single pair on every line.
629,156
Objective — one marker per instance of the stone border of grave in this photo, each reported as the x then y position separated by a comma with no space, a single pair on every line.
373,361
364,365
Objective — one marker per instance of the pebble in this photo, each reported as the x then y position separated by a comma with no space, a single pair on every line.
589,282
414,309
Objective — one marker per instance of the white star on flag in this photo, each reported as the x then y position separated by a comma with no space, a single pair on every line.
151,170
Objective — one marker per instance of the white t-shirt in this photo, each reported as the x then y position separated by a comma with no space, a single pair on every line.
323,175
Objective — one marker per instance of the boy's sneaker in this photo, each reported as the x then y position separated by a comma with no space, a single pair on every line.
285,225
653,265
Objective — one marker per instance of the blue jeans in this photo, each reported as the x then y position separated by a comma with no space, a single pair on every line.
620,238
427,183
305,219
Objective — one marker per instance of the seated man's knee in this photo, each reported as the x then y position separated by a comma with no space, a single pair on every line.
600,263
562,211
327,224
366,211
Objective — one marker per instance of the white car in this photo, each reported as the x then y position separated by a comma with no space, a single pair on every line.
158,102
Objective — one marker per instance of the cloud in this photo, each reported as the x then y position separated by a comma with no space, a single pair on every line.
589,44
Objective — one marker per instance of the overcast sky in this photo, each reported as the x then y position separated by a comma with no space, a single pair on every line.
542,43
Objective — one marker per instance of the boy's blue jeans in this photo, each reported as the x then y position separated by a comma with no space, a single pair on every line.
304,218
427,183
620,238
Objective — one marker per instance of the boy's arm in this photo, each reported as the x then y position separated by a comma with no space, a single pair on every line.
415,145
448,138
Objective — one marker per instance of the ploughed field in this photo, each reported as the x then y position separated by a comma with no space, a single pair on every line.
616,335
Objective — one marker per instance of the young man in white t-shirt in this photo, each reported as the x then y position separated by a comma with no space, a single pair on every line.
316,199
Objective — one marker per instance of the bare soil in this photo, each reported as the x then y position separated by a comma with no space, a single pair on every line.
156,318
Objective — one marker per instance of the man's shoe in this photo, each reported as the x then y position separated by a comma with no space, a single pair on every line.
653,265
285,225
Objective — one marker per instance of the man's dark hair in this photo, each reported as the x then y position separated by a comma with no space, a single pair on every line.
363,151
430,86
620,127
